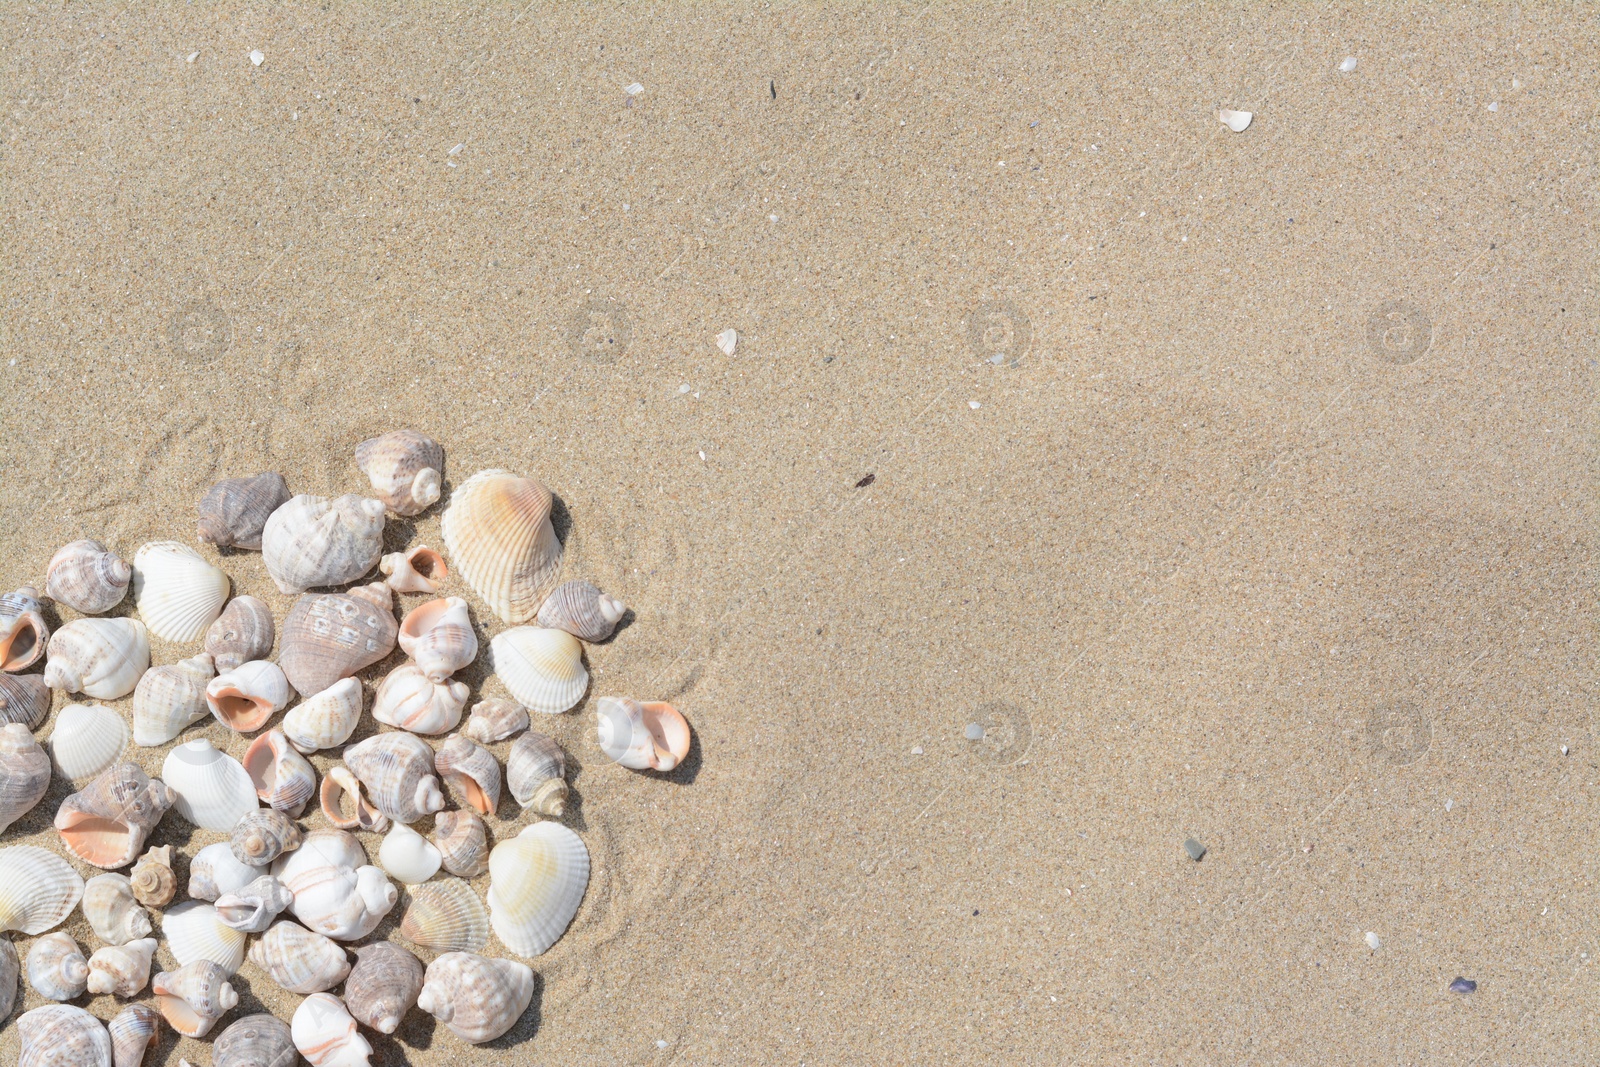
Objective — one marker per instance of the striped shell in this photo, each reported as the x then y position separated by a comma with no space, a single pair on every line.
462,841
405,469
24,773
194,997
234,512
479,999
582,610
383,986
536,882
113,911
107,823
299,960
56,967
536,772
542,669
282,777
23,633
243,632
134,1031
495,720
24,698
438,637
329,636
168,699
497,531
470,773
62,1035
178,591
87,577
446,916
100,658
258,1040
312,541
397,769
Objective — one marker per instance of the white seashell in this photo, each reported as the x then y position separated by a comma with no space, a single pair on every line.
194,997
536,882
541,668
335,894
134,1031
438,637
347,806
1347,64
497,531
25,699
383,985
479,999
470,773
312,541
113,911
234,511
24,774
325,720
397,769
56,967
38,889
495,720
404,467
62,1035
86,577
408,856
728,340
178,592
407,699
100,658
87,739
536,772
299,960
243,632
646,736
216,871
1236,121
326,1035
416,570
446,916
122,969
169,698
244,698
282,777
23,633
582,610
193,931
214,791
462,841
252,909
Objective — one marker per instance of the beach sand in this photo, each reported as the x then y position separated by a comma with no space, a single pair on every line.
1272,527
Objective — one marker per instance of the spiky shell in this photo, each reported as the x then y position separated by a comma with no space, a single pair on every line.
405,468
178,591
311,541
100,658
152,879
383,986
536,883
329,636
169,698
234,512
542,669
87,577
497,531
243,632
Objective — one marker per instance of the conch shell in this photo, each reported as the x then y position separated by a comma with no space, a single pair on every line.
536,771
56,967
107,823
470,773
405,468
407,857
416,570
329,636
543,669
62,1035
446,916
326,1035
24,773
252,909
335,893
258,1040
169,698
397,769
312,541
326,720
214,791
282,777
407,699
243,632
135,1030
153,882
113,911
479,999
38,889
100,658
497,530
383,986
194,997
86,577
215,872
244,698
23,633
648,736
121,969
264,835
299,960
438,637
24,698
178,592
235,510
462,841
495,720
86,739
582,610
536,882
346,806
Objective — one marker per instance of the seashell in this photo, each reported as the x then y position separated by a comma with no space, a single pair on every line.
169,698
214,792
536,771
195,933
113,911
405,469
326,720
215,871
86,739
255,1041
282,777
346,807
122,969
407,699
582,610
23,634
383,986
37,889
24,773
179,593
62,1035
471,774
495,720
194,997
438,637
24,698
407,856
264,835
152,879
446,916
134,1031
243,632
397,769
536,882
477,998
10,968
100,658
329,636
86,577
497,531
299,960
252,909
235,510
462,841
543,669
335,893
648,736
56,969
244,698
313,541
326,1035
107,823
1237,121
416,570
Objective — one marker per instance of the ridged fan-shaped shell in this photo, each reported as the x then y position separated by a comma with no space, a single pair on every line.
100,658
213,790
86,739
446,916
311,541
382,986
87,577
329,636
234,512
582,610
169,698
178,591
243,632
497,531
542,669
405,468
536,883
193,932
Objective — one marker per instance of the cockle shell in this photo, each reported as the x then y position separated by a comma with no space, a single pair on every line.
86,739
397,769
195,933
347,806
438,637
194,997
299,960
152,878
243,632
329,636
497,531
407,699
312,541
10,968
234,512
416,570
325,720
647,736
542,669
134,1031
462,841
326,1035
477,998
62,1035
113,911
23,633
37,889
178,591
264,835
582,610
100,658
446,916
536,771
383,986
405,468
407,856
252,909
122,969
536,882
56,968
470,773
24,698
107,823
495,720
86,577
169,698
24,773
282,777
214,792
258,1040
335,893
244,698
215,871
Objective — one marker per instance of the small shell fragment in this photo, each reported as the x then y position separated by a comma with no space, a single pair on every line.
728,340
1372,941
1236,121
1347,65
416,570
252,909
407,856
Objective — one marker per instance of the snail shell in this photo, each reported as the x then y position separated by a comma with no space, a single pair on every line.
582,610
335,893
195,933
23,634
56,969
215,871
255,1041
86,739
87,577
383,986
326,720
416,570
194,997
497,530
542,669
134,1031
397,769
648,736
213,790
234,512
536,882
536,771
169,698
243,632
462,841
299,960
407,856
404,467
446,916
346,806
311,541
100,658
479,999
326,1035
252,909
495,720
37,889
329,636
244,698
24,698
282,777
438,637
24,773
407,699
122,969
10,968
113,911
179,593
264,835
152,878
62,1035
107,823
471,774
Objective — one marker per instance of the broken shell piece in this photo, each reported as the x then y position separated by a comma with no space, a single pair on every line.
345,805
38,889
383,986
152,880
178,591
194,933
582,610
536,771
312,541
62,1035
23,633
100,658
24,773
264,835
86,739
299,960
107,823
471,774
409,700
462,841
407,856
134,1031
282,777
258,1040
56,968
24,698
728,340
329,636
87,577
541,668
495,720
194,997
416,570
244,698
213,790
647,736
169,698
497,531
252,909
243,632
479,999
1235,120
335,893
397,769
404,468
446,916
326,1035
1347,64
327,719
234,512
438,637
122,969
536,882
113,911
215,871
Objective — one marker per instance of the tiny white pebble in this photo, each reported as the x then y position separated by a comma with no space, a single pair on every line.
634,90
1563,747
192,57
1495,106
974,731
1515,84
772,218
451,162
1237,121
917,751
1449,804
256,57
685,387
456,151
702,457
1372,941
1348,65
660,1043
974,405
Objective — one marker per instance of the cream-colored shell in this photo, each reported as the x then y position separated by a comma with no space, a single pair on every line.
59,1035
56,967
252,909
194,932
478,998
536,883
416,570
498,534
345,803
495,720
299,960
263,835
100,658
312,541
87,577
438,637
214,791
446,916
178,591
326,1035
113,911
169,698
335,893
194,997
542,669
282,777
122,969
462,841
24,773
86,739
244,698
325,720
407,856
215,871
38,889
407,699
405,469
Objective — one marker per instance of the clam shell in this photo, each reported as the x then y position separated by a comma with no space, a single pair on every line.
24,773
462,841
152,879
243,632
335,893
416,570
536,882
479,999
542,669
345,804
397,769
446,916
282,777
107,823
495,720
311,541
264,835
255,1041
383,986
407,856
61,1035
438,637
24,698
195,996
134,1031
215,871
23,633
86,577
213,790
327,719
113,911
234,512
299,960
497,531
169,698
252,909
244,698
470,774
86,739
195,933
407,699
10,969
648,736
329,636
582,610
122,969
326,1035
56,967
38,889
178,591
100,658
405,468
536,772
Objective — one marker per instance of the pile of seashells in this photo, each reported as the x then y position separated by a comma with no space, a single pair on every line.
282,896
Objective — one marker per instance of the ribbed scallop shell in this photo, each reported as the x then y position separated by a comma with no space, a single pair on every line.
329,636
536,772
178,591
479,999
335,892
416,570
87,577
497,531
405,468
299,960
325,720
215,871
407,857
62,1035
345,803
383,986
647,736
214,792
23,633
134,1031
152,879
326,1035
462,841
56,967
495,720
107,823
122,969
251,909
100,658
438,637
282,777
195,996
582,610
312,541
264,835
470,773
194,932
244,698
86,739
113,911
234,512
542,669
258,1040
407,699
243,632
24,698
168,699
24,773
446,916
397,769
536,883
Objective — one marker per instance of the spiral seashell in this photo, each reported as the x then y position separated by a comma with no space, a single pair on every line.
479,999
416,570
536,882
243,632
497,531
383,986
326,1035
495,720
24,698
255,1041
10,969
335,893
405,468
299,960
407,857
121,969
462,841
194,997
100,658
235,510
329,636
153,882
134,1031
346,806
397,769
195,933
107,823
326,720
86,577
56,969
86,739
252,909
536,771
264,835
24,773
169,698
23,633
312,541
61,1035
470,774
178,592
244,698
113,911
446,916
582,610
282,777
407,699
37,889
213,790
215,871
438,637
543,669
649,736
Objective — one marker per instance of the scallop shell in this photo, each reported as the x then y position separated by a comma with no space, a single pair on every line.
86,739
87,577
113,911
134,1031
407,856
10,968
326,1035
397,769
347,806
243,632
648,736
214,791
56,968
62,1035
258,1040
495,720
407,699
244,698
542,669
312,541
536,771
479,999
24,773
23,633
282,777
438,637
470,773
497,531
152,878
100,658
582,610
405,468
326,720
264,835
178,592
462,841
299,960
194,932
169,698
416,570
122,969
335,893
329,636
252,909
194,997
234,512
383,986
38,889
446,916
536,882
107,823
215,871
24,698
